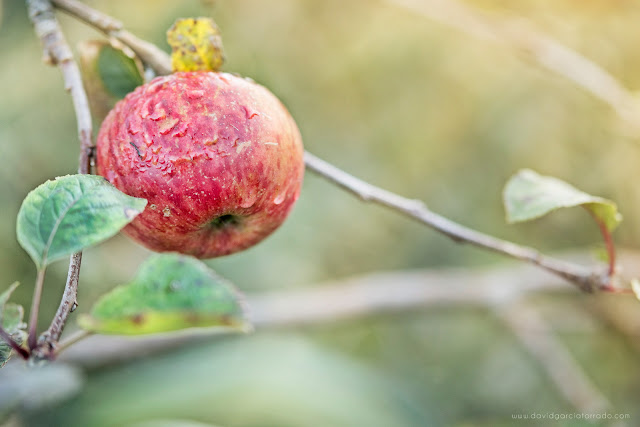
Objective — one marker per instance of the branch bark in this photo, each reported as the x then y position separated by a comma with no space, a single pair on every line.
111,27
57,52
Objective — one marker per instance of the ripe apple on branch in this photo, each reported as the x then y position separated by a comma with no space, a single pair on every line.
218,157
215,163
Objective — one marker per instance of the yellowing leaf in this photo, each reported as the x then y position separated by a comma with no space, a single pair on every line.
170,292
196,45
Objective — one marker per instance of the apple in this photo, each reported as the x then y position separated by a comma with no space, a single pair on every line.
217,156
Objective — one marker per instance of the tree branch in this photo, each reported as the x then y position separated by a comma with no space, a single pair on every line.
57,52
148,52
585,279
373,294
543,50
68,303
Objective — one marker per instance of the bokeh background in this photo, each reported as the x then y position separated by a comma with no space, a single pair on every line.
408,104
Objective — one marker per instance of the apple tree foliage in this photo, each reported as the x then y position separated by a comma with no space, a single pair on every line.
172,292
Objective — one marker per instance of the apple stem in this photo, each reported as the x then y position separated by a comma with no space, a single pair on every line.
35,308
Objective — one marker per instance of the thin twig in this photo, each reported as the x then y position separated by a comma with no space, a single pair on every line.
35,308
13,344
57,52
519,35
585,279
148,52
68,303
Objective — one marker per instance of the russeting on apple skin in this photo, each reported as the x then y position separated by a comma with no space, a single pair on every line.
218,157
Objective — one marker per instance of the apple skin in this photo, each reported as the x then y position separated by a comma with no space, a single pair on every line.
218,157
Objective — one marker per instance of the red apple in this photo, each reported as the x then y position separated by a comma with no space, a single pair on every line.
218,157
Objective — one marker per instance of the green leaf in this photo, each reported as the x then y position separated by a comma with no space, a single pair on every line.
11,316
109,72
71,213
119,72
5,353
15,327
169,293
528,196
196,45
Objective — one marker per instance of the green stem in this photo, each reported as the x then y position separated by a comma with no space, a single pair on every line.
35,307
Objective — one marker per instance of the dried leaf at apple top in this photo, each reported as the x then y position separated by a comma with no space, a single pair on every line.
196,45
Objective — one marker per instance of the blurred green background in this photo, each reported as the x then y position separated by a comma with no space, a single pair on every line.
405,103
